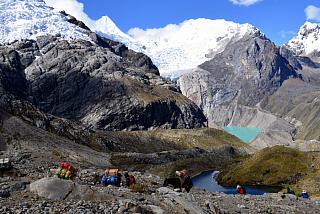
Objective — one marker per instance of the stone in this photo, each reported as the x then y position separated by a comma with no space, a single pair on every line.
52,188
18,186
156,209
166,191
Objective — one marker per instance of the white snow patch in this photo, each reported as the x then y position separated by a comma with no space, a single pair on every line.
307,40
28,19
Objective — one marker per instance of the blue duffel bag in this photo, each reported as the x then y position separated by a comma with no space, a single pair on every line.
109,180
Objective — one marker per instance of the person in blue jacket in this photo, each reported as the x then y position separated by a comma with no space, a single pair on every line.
305,194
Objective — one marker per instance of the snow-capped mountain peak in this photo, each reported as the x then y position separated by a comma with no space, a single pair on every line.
178,48
27,19
107,26
307,40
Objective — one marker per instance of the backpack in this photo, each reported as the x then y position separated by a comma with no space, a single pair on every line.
65,171
111,172
131,180
109,180
305,195
67,166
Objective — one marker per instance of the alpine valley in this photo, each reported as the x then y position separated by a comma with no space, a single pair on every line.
83,91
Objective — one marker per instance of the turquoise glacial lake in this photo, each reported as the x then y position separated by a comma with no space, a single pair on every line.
246,134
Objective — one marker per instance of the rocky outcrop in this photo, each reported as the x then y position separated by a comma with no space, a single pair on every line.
103,86
242,75
229,87
298,102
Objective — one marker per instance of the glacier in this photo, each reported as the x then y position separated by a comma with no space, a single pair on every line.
28,19
307,40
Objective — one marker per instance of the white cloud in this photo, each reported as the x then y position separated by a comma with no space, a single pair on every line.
154,34
244,2
285,33
73,8
312,13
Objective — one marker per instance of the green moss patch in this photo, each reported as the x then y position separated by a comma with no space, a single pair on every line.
271,166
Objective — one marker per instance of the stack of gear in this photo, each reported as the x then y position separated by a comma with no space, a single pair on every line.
65,171
111,177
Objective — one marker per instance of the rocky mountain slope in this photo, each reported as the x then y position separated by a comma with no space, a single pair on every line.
230,86
297,100
99,82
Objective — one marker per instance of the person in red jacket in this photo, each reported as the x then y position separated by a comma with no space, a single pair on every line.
241,190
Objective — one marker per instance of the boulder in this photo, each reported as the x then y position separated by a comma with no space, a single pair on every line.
52,188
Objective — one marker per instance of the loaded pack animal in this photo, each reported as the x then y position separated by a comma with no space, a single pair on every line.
179,183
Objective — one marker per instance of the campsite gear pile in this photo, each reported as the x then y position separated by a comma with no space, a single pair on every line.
111,177
65,171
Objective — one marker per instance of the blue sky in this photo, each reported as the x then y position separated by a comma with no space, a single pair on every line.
278,19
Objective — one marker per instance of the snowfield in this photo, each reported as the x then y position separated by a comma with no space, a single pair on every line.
307,40
28,19
177,48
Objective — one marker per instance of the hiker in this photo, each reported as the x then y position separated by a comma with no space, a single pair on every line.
241,190
305,194
182,175
182,180
129,180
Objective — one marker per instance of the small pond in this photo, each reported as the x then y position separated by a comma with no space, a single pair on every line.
207,181
246,134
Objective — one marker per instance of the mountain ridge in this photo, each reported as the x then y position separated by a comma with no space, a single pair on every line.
307,41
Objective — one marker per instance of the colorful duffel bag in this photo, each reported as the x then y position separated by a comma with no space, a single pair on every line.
109,180
65,171
67,166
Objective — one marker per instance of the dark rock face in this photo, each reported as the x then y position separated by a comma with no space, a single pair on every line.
251,67
105,87
242,75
